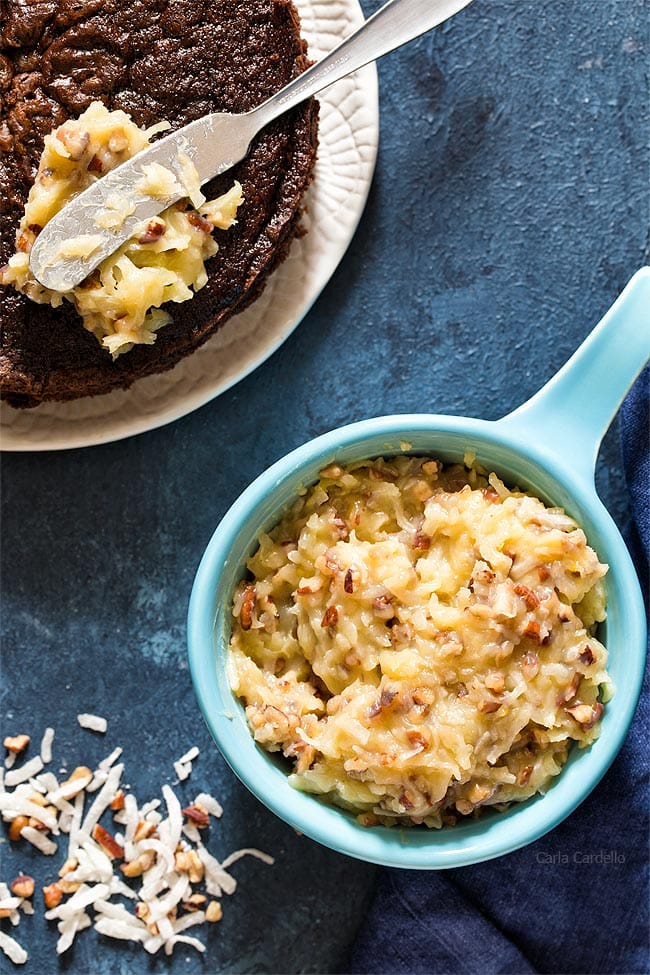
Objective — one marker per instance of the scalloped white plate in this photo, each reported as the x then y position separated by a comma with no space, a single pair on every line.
349,126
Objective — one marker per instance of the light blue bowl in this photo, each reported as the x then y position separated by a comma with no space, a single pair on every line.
549,446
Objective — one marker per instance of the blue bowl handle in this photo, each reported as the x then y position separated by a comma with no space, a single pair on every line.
569,416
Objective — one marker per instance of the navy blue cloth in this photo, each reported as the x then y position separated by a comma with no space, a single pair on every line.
576,901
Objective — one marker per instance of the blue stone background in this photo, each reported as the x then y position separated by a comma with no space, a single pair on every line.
509,208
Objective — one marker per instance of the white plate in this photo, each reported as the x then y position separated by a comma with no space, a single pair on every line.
348,146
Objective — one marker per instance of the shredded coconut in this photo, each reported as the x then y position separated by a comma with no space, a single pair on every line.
161,853
93,722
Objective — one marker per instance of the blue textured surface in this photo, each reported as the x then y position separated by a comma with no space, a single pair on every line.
509,208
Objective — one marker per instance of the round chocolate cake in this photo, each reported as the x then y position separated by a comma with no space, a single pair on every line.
173,60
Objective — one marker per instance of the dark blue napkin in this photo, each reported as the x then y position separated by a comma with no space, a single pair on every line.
576,901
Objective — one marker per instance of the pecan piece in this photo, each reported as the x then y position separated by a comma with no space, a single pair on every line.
586,714
383,702
587,656
153,232
199,222
530,665
142,863
348,582
528,595
16,826
118,802
197,815
52,895
108,842
17,744
330,617
570,691
247,607
213,912
22,886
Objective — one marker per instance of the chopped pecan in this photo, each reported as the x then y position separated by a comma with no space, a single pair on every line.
348,582
586,714
52,895
16,826
421,542
489,706
75,140
213,912
108,842
70,864
95,165
383,606
142,863
417,740
570,691
384,701
543,573
490,495
495,682
330,617
247,607
153,231
533,631
405,802
197,815
17,744
530,665
199,222
118,801
196,869
587,656
22,886
528,595
194,902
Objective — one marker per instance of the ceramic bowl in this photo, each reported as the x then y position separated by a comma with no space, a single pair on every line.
549,447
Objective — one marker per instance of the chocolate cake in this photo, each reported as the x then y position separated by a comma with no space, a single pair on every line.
155,59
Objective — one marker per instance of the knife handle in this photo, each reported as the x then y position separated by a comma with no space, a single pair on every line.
397,22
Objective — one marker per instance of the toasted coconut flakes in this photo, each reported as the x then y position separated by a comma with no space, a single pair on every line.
175,821
97,781
216,878
46,746
104,798
93,722
188,921
184,940
191,832
25,772
189,756
150,807
160,908
247,852
182,771
70,929
39,840
209,803
163,888
15,952
110,759
69,789
48,781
